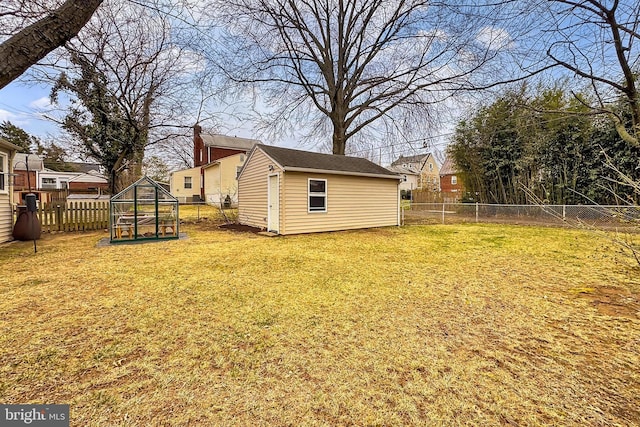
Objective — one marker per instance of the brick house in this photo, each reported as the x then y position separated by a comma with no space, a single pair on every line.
451,185
211,175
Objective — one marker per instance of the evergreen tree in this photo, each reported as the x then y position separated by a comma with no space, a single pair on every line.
18,136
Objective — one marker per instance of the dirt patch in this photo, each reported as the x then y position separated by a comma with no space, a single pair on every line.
613,301
240,228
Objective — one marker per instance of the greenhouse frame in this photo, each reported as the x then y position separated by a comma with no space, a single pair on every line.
143,211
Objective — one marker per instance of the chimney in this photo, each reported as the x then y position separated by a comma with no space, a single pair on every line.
198,146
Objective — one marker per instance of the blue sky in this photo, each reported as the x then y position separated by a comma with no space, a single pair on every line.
23,105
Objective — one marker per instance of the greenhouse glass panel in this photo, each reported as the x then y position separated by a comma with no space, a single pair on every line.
143,211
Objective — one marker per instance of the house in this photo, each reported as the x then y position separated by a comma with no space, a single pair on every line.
208,148
450,182
23,180
290,191
187,185
72,181
44,183
7,152
410,178
221,179
426,167
217,160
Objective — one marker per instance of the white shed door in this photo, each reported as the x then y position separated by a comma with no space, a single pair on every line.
274,204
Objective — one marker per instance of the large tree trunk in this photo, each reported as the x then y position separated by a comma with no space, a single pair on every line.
34,42
339,137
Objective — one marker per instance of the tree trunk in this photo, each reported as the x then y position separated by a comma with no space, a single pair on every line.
34,42
339,138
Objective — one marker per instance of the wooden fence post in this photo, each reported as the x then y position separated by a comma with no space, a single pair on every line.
59,218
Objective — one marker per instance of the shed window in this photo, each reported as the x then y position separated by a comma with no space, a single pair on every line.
317,195
4,169
187,182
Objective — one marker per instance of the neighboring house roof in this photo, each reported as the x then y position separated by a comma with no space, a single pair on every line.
20,162
192,170
448,167
306,161
88,177
231,142
82,167
403,170
411,159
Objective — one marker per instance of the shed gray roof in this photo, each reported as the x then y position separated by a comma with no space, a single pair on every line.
232,142
293,160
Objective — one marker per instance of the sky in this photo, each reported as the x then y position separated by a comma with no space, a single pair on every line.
24,105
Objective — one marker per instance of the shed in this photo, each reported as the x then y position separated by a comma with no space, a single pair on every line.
143,211
7,151
288,191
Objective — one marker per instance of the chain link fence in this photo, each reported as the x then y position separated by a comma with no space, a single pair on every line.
556,215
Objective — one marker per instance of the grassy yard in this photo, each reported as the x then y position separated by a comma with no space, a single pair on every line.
423,325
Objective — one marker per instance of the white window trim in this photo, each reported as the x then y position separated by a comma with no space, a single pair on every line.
55,184
454,180
184,183
4,159
310,194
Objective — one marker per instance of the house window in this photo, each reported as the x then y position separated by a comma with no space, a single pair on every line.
238,169
64,185
187,182
454,180
317,195
430,167
49,183
4,169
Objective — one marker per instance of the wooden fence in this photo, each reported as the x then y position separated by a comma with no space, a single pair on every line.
74,216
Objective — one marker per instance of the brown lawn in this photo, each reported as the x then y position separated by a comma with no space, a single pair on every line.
423,325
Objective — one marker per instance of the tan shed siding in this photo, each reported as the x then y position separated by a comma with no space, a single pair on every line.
352,202
6,220
253,191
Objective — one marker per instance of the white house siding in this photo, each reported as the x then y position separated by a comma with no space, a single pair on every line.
352,202
6,218
253,190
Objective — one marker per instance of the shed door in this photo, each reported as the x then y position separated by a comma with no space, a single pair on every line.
274,204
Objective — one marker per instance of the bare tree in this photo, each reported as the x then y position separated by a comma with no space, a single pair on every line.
127,79
358,62
30,44
598,41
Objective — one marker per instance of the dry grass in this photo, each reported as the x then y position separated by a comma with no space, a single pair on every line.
438,325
